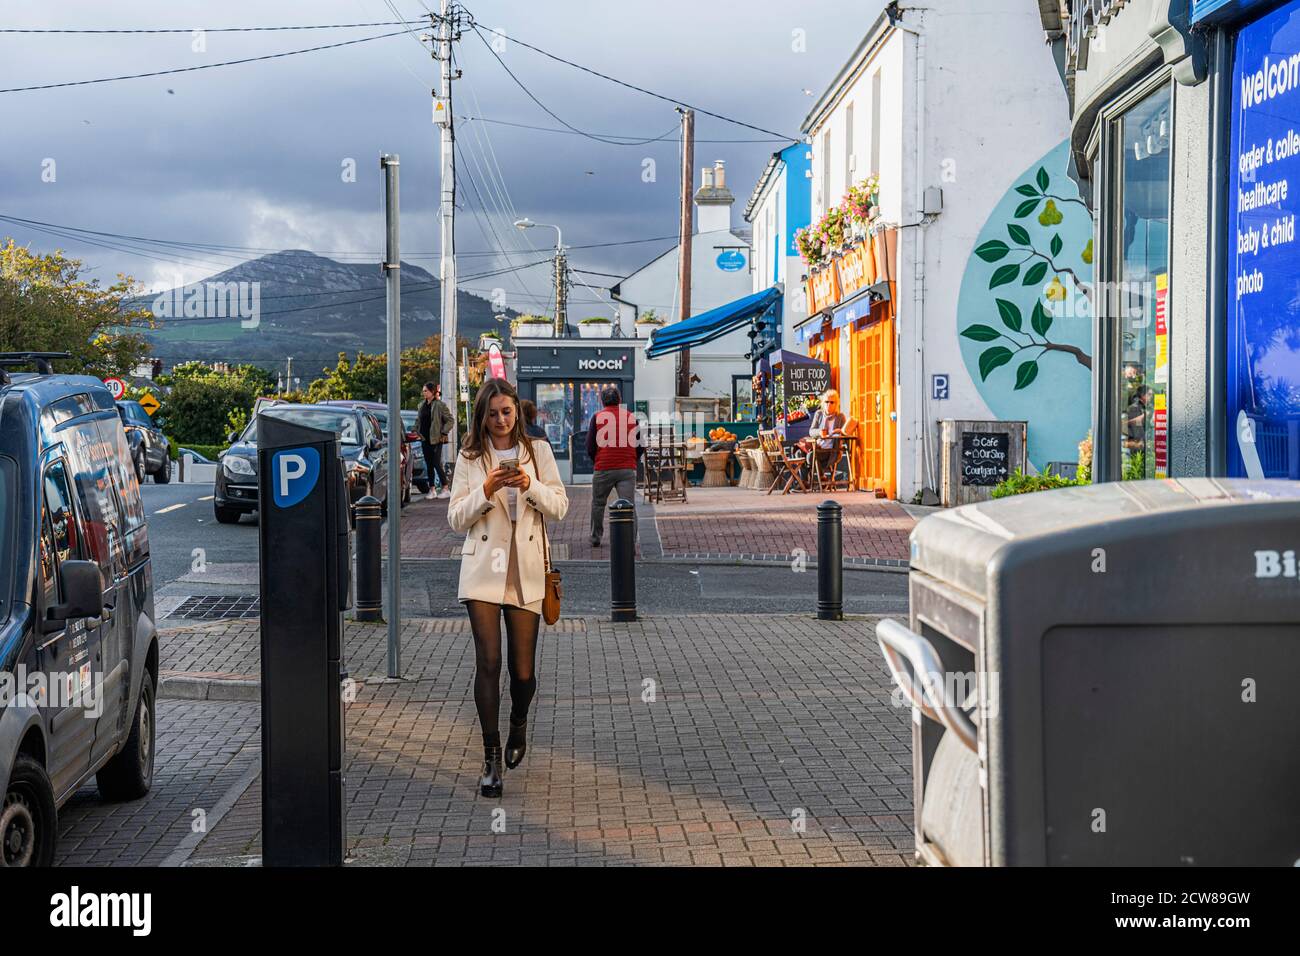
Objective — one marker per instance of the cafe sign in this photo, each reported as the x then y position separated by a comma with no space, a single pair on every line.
823,289
856,267
1085,17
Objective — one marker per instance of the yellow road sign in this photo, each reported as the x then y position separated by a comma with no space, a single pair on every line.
149,403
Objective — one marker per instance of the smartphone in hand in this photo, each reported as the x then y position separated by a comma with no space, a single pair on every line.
509,464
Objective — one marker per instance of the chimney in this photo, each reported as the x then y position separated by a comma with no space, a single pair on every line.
713,200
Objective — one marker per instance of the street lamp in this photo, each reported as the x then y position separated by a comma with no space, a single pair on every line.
561,273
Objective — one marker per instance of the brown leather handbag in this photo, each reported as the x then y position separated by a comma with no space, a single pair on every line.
554,590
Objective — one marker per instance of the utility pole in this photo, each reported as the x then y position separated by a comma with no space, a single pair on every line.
396,430
561,291
444,35
684,246
288,377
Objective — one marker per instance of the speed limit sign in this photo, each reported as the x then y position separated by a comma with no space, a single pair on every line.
116,387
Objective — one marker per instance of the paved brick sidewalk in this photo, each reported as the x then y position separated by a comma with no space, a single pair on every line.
426,534
713,522
752,724
750,522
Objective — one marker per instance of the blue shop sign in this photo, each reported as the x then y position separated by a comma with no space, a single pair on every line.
1263,347
1201,9
733,260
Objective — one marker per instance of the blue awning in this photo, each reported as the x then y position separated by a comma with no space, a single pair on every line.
715,323
859,307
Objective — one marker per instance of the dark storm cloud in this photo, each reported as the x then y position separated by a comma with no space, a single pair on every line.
251,155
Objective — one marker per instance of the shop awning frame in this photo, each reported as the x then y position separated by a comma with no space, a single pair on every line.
707,326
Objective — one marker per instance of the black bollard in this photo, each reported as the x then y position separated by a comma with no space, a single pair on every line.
622,561
370,588
830,562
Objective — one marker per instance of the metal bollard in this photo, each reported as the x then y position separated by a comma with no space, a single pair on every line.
622,561
370,588
830,562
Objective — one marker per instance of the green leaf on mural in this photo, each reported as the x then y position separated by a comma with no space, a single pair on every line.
1035,273
1003,275
1043,179
1026,373
992,358
1041,320
993,250
1026,207
982,333
1057,244
1027,190
1018,233
1011,315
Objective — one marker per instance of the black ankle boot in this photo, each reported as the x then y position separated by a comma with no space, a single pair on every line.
516,743
490,785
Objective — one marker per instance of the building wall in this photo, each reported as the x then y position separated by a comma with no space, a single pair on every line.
993,112
781,210
655,286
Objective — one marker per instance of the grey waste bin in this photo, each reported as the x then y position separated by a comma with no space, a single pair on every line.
1107,675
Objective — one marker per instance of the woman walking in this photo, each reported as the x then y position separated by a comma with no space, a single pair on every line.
503,489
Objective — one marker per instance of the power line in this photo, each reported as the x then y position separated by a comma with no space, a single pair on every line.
631,86
311,26
569,132
551,113
204,66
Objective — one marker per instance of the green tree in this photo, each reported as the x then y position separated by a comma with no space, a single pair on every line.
47,306
365,378
201,401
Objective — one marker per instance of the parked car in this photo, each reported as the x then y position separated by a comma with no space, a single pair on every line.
361,444
199,459
150,450
419,468
380,411
78,646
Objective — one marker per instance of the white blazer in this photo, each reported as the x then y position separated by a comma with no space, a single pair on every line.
485,555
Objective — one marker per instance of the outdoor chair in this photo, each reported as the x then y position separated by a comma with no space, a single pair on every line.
785,462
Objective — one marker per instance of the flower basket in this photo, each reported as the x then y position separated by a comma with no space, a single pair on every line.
596,329
539,328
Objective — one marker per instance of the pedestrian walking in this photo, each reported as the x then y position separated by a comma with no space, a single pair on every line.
614,445
531,428
434,422
504,487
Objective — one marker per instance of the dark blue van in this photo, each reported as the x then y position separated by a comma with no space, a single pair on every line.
78,645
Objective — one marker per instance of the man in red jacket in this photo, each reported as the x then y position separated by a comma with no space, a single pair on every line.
613,444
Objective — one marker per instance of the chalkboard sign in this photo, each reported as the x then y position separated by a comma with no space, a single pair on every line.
807,379
985,458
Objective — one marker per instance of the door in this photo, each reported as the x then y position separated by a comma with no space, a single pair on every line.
873,405
588,404
67,657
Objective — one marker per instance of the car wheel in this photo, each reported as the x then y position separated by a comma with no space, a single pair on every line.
140,473
28,817
164,474
226,515
129,775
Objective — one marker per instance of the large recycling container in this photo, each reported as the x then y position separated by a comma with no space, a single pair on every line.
1107,675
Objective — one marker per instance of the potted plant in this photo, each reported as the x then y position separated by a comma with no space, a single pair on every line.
596,327
488,339
532,327
647,322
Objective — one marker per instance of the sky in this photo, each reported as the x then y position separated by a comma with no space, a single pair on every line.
256,156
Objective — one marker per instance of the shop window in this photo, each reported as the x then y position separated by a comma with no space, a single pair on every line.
1140,234
555,414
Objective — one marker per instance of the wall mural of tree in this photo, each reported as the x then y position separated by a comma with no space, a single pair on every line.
1029,258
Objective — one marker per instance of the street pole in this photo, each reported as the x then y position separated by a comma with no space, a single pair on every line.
464,363
396,430
561,292
447,209
684,245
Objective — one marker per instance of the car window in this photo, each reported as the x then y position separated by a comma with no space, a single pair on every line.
60,538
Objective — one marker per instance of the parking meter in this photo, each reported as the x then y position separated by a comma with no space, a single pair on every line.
304,563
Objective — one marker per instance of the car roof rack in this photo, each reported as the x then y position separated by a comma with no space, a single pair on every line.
42,361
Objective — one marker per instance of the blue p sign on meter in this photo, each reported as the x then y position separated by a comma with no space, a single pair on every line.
293,475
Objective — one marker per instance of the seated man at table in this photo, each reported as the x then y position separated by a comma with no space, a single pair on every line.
827,423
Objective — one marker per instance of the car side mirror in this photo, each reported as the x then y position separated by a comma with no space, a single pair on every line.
83,593
233,437
376,444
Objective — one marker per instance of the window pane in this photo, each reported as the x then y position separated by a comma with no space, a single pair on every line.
555,414
1143,293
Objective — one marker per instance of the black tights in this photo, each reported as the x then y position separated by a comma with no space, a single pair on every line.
521,640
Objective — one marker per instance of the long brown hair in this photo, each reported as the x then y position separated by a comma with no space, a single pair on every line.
476,440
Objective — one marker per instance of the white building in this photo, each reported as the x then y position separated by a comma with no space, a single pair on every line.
719,275
959,109
780,206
